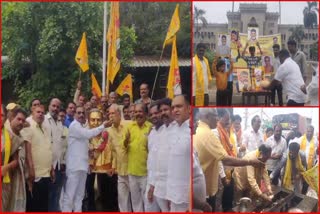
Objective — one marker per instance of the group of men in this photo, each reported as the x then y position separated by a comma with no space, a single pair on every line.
231,163
135,155
288,73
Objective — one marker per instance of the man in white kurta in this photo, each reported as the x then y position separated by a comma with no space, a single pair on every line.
77,162
179,169
253,138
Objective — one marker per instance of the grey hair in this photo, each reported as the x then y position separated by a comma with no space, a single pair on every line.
116,107
203,112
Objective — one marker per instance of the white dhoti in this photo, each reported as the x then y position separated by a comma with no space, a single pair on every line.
124,194
151,206
179,207
74,191
137,186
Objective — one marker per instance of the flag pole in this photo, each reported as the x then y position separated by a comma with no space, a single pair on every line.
155,80
104,62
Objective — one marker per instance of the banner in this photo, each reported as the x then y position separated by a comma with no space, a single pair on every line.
312,177
125,87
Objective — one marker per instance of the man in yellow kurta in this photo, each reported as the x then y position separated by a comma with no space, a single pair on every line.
248,179
137,143
116,137
201,77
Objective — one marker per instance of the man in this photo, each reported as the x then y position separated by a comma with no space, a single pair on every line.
116,136
288,74
126,100
291,166
252,60
236,128
131,111
179,160
113,98
275,41
299,57
70,113
279,148
253,36
223,50
201,76
310,146
34,103
153,144
55,130
211,152
94,101
103,103
77,161
12,168
38,199
229,144
144,95
126,113
252,137
248,179
275,64
78,98
162,163
136,144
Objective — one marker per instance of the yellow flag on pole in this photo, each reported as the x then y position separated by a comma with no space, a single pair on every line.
125,86
174,82
311,176
95,88
113,38
82,54
173,27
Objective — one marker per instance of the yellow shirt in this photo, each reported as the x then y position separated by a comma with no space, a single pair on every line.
210,152
40,149
138,148
119,152
249,177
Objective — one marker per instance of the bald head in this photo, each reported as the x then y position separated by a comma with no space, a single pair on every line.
54,108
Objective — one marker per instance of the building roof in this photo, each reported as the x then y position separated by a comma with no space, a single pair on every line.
152,61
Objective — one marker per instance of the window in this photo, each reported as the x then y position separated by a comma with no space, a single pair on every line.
271,24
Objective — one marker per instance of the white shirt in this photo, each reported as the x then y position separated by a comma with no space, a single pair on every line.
252,140
291,79
153,144
179,169
78,141
278,148
307,151
205,76
55,131
162,162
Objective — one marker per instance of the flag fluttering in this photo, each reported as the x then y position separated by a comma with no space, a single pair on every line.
174,82
173,27
125,87
311,176
113,39
95,88
82,54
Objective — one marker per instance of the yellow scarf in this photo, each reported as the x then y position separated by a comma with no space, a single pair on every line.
7,148
233,141
311,150
287,182
200,84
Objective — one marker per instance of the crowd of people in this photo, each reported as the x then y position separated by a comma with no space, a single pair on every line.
136,156
231,163
287,71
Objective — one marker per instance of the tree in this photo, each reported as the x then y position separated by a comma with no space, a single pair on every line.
199,16
297,33
310,18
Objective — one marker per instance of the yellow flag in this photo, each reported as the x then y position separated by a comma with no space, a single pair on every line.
125,86
95,88
174,83
113,38
173,27
311,176
82,54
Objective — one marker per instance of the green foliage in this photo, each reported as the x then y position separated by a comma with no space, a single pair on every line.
209,54
297,33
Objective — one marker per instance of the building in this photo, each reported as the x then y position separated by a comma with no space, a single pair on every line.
255,15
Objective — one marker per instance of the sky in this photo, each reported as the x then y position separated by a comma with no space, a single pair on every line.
307,112
216,12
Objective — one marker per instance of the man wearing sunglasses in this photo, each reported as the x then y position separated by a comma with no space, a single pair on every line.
77,161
